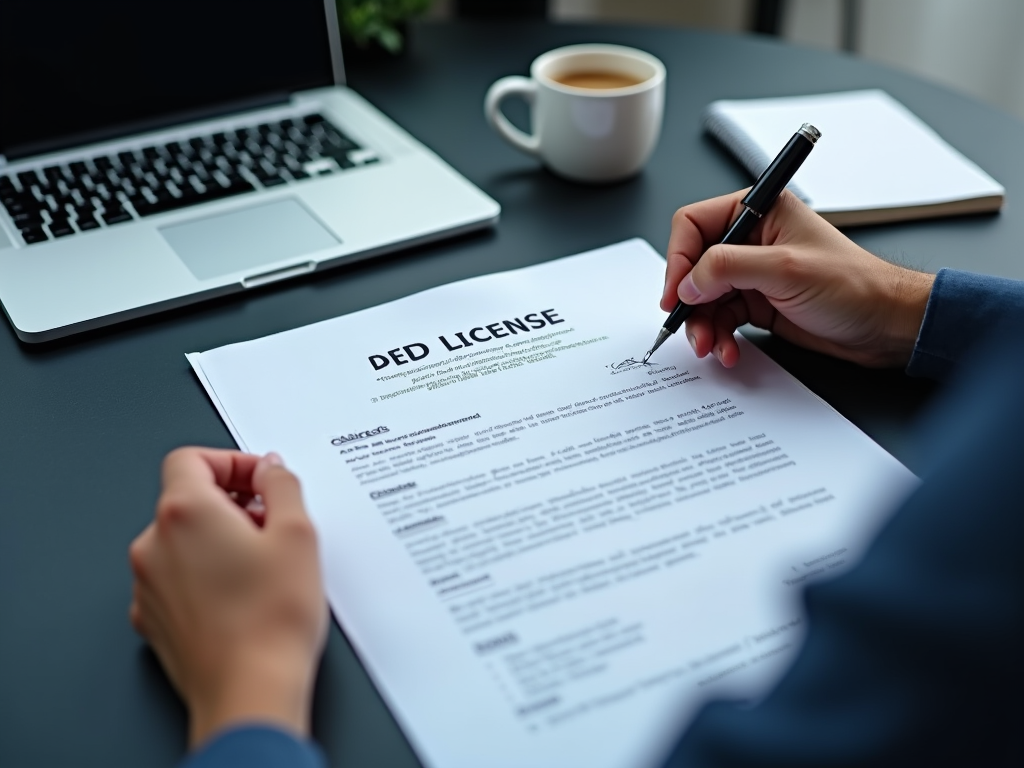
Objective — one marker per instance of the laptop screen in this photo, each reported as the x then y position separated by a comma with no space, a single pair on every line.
73,71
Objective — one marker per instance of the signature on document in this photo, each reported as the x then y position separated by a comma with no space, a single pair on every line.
629,362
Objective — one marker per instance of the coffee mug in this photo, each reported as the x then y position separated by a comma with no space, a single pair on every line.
596,110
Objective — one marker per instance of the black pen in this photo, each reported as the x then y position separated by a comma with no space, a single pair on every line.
757,203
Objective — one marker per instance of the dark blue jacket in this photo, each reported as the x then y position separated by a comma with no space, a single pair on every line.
913,658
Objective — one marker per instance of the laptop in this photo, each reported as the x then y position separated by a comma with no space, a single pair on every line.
156,154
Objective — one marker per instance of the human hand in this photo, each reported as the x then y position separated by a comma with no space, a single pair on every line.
228,594
801,279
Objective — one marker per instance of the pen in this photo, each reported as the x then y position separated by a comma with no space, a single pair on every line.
757,203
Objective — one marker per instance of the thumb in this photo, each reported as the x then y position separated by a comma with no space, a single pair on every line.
280,490
723,268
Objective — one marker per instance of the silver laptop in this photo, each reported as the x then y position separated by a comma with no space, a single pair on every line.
154,154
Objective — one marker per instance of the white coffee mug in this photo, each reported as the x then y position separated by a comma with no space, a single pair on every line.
583,132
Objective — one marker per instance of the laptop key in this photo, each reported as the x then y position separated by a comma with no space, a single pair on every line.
27,219
62,201
115,218
213,192
148,208
157,179
34,235
53,173
27,179
15,206
271,181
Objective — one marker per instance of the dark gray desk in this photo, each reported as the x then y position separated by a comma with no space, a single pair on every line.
85,422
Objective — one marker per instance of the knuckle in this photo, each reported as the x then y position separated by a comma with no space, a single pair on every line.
137,558
176,455
786,200
172,508
719,261
287,477
788,263
299,530
789,205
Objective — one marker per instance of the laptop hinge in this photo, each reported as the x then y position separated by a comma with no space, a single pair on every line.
162,122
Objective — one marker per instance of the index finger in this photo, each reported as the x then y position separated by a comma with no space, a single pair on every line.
695,228
229,470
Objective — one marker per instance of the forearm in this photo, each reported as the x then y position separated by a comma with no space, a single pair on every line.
963,309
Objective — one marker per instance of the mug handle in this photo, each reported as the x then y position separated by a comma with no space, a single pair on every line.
511,86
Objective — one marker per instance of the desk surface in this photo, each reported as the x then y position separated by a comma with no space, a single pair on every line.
84,422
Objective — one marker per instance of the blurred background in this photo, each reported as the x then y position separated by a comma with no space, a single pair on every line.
972,46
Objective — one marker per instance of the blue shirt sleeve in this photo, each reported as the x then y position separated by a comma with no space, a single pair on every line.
964,308
256,746
912,658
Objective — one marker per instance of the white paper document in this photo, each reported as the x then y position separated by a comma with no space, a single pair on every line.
545,552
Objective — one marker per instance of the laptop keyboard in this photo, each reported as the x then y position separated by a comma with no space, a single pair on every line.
60,200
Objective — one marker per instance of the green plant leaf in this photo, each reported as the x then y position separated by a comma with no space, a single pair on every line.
390,39
368,20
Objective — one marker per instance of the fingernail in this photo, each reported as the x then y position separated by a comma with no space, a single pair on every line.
688,292
693,342
718,353
274,459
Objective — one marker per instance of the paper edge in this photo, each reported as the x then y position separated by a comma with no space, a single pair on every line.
195,360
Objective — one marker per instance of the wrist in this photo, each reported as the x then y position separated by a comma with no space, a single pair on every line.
268,688
908,299
913,290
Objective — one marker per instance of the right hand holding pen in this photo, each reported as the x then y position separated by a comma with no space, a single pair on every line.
800,278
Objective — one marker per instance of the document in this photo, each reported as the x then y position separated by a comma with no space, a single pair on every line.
546,552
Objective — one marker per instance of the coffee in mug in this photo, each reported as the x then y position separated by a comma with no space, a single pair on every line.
597,79
597,110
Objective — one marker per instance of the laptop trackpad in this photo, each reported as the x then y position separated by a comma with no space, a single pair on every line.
251,237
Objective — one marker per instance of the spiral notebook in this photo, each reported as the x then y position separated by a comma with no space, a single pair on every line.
875,162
